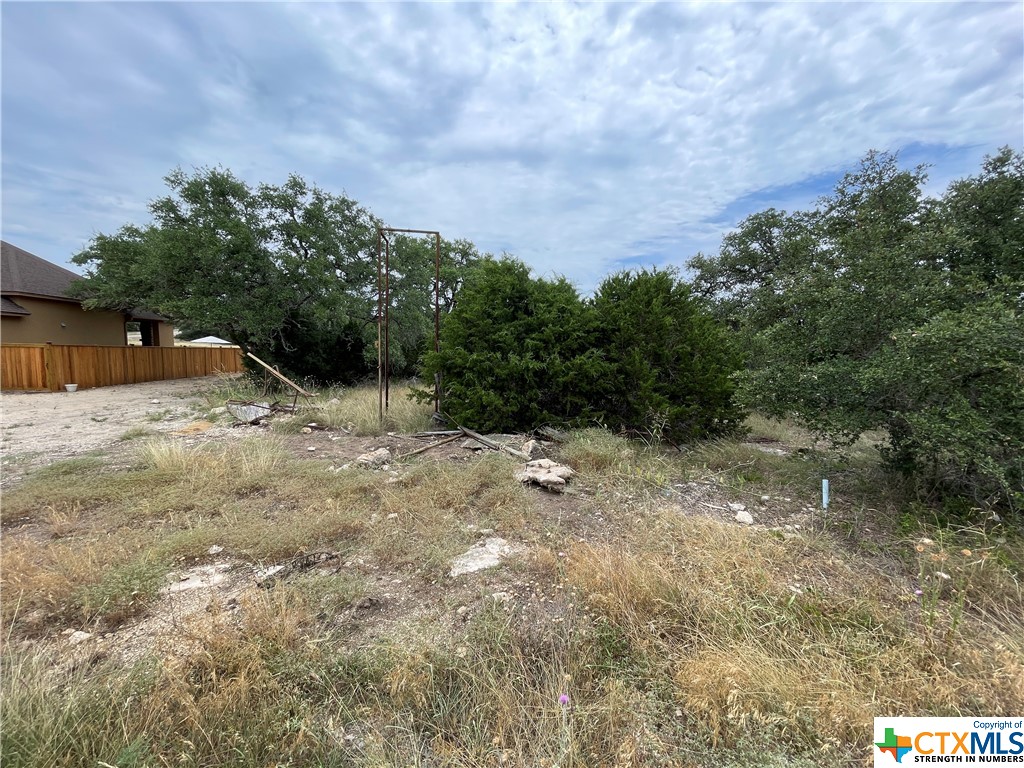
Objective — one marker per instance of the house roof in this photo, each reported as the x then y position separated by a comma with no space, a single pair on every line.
24,273
145,314
9,307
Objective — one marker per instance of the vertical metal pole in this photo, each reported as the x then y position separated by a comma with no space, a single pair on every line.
387,323
380,298
437,317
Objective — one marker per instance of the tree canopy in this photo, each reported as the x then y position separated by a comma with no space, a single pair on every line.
287,271
881,308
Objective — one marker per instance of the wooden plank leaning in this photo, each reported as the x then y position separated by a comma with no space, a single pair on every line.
280,376
432,445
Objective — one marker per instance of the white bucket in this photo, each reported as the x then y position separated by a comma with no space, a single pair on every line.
71,387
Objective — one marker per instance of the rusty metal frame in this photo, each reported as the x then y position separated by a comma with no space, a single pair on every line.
384,313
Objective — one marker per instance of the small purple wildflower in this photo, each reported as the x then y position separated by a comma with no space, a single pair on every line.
918,592
564,700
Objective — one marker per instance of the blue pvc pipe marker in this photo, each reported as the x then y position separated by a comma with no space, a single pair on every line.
824,494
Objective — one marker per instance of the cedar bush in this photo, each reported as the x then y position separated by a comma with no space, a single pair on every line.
671,362
518,352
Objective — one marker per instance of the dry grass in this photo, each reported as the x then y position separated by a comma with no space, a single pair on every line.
779,430
432,506
102,534
796,637
358,410
679,639
355,409
249,459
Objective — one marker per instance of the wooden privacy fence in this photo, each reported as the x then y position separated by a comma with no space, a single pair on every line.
51,366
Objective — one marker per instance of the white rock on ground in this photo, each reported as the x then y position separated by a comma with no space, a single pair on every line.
78,636
736,507
545,473
198,577
767,449
374,459
744,517
485,554
263,575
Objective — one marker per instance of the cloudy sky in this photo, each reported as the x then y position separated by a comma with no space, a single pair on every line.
583,138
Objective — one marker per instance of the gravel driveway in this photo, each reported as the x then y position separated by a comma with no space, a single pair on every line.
42,427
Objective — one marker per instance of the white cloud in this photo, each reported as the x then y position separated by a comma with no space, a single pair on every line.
575,136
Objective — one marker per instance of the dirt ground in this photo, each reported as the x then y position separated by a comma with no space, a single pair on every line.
39,428
42,428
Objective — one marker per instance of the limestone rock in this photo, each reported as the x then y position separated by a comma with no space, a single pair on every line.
374,459
484,554
249,413
744,517
265,576
545,473
199,577
78,636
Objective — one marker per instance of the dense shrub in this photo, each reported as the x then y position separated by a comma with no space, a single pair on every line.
515,351
670,361
333,353
518,352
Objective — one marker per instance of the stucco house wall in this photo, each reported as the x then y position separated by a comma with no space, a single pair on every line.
38,305
64,322
165,335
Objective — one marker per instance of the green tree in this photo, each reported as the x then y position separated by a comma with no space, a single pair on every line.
670,362
983,221
248,263
516,352
754,268
882,309
286,271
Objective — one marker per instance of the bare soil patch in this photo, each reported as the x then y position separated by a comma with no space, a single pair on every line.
39,428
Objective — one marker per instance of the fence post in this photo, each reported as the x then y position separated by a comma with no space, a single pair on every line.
50,366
